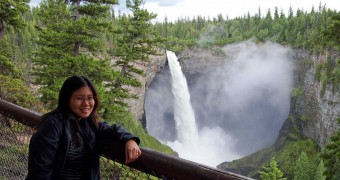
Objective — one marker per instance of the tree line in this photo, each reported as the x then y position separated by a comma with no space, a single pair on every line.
316,30
41,46
60,38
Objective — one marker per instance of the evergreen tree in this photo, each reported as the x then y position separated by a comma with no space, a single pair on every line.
136,41
7,66
276,13
319,171
26,38
272,172
14,90
10,16
332,32
69,39
331,156
10,11
302,168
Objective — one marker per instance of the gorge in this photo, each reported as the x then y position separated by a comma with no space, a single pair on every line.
239,105
314,107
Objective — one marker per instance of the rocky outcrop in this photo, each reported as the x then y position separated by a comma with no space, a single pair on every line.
193,62
315,109
317,106
150,69
199,61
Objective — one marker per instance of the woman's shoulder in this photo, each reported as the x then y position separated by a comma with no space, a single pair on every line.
53,115
52,118
51,124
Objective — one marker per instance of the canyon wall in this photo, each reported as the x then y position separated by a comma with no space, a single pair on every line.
150,69
314,106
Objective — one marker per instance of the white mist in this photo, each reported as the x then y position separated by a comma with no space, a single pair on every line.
209,145
184,115
233,109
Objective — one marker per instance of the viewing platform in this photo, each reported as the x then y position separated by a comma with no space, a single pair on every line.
17,124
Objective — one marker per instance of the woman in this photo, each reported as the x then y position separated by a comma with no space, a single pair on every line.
66,144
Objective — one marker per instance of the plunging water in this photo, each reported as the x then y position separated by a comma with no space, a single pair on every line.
183,112
238,107
207,145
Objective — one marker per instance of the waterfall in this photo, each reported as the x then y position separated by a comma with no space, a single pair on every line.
208,145
183,112
237,108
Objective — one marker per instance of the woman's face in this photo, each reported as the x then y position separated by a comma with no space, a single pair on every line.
82,102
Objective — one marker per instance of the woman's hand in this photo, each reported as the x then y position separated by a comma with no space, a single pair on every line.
132,151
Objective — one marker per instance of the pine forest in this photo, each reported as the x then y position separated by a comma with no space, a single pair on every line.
41,46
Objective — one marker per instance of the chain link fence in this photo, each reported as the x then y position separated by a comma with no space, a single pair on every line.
17,126
14,141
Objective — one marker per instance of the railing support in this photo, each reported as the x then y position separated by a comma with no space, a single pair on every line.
151,162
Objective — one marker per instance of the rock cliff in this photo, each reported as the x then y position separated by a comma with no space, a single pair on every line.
315,108
315,105
151,68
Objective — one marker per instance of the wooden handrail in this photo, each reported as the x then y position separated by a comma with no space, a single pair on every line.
151,162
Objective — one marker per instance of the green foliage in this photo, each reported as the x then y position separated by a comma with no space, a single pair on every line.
297,92
314,31
286,152
328,74
324,80
68,45
110,169
10,14
335,76
331,156
136,41
272,172
295,132
73,38
332,32
7,67
128,121
13,153
291,152
305,118
253,163
318,70
302,167
14,90
320,171
262,35
14,52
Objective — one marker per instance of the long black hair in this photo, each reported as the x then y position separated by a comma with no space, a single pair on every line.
70,85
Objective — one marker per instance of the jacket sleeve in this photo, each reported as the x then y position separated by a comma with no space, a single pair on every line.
42,150
116,132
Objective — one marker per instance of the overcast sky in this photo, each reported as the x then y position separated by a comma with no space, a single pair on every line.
174,9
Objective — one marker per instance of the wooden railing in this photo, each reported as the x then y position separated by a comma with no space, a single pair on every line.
151,162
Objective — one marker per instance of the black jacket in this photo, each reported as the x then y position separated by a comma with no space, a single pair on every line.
49,145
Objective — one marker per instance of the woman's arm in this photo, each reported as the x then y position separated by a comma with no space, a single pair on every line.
132,151
116,132
119,133
42,150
